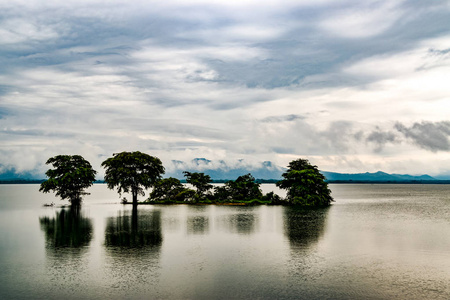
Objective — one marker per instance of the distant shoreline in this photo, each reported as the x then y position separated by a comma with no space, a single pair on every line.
389,182
264,181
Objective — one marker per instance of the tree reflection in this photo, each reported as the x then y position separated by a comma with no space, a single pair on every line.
133,242
133,231
69,228
241,223
198,225
304,226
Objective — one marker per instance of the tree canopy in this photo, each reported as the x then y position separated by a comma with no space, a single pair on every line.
170,190
244,188
70,176
132,172
305,185
200,181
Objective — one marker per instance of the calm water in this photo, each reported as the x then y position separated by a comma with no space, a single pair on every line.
375,242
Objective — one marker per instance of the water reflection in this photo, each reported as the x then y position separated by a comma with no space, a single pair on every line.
69,228
304,226
133,231
67,237
198,225
243,222
133,242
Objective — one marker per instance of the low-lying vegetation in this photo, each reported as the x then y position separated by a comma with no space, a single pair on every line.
133,172
305,187
304,183
242,191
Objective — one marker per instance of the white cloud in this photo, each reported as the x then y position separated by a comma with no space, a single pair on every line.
201,80
368,19
427,56
16,30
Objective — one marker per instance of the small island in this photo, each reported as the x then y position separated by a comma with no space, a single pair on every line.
133,172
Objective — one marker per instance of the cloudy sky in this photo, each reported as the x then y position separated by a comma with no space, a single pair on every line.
353,86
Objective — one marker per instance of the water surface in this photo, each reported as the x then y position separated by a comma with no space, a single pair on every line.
375,242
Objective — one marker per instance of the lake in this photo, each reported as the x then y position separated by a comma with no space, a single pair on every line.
375,242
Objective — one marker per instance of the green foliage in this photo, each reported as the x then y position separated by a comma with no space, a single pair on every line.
70,176
244,188
132,172
255,202
305,185
272,198
221,194
187,195
200,181
170,190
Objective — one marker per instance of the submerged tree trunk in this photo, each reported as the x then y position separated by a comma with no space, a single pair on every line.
134,220
134,193
75,201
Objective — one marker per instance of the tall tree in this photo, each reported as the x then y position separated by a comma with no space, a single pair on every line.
305,185
132,172
70,176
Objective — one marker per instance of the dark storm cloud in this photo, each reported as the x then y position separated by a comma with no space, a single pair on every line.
428,135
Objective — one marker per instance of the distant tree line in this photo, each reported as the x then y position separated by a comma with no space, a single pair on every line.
134,172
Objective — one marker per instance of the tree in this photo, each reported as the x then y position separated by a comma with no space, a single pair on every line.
272,198
70,176
200,181
305,185
170,190
244,188
132,172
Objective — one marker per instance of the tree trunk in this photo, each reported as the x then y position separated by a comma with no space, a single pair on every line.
134,220
75,201
134,193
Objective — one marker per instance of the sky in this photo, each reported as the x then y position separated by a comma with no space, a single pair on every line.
352,86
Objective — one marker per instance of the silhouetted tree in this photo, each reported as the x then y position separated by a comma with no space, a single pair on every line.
244,188
200,181
273,199
221,194
305,185
132,172
70,176
170,190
